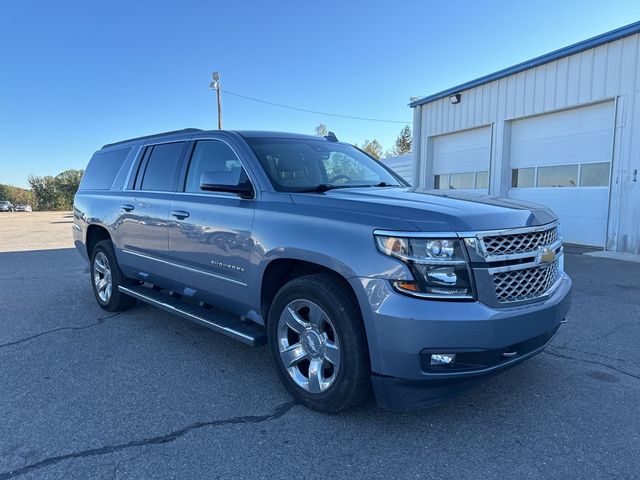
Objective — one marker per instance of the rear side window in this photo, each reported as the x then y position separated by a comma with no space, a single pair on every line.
160,167
102,169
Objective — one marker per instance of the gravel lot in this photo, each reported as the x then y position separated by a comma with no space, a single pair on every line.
23,231
142,394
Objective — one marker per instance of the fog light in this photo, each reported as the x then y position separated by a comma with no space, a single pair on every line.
442,359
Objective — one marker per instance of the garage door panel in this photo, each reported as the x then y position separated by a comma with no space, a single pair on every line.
593,118
588,147
466,151
583,219
573,137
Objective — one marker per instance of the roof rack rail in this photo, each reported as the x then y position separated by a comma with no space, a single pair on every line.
146,137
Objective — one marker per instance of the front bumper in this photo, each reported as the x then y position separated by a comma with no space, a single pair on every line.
401,330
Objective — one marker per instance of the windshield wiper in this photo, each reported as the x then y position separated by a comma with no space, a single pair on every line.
323,187
385,184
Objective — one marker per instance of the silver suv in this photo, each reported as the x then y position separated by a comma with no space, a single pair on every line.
355,280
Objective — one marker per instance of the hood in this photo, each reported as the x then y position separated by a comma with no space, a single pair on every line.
431,210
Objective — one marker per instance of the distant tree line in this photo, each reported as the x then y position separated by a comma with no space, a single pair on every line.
401,146
55,192
46,193
16,194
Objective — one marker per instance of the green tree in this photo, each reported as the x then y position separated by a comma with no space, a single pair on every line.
321,130
55,193
403,142
372,147
16,194
67,184
5,192
44,192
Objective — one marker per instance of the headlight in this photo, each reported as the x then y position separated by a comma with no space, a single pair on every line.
439,266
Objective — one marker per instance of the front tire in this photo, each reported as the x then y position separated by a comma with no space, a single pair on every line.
317,340
106,277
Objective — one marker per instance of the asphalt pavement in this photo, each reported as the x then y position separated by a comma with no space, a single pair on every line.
86,394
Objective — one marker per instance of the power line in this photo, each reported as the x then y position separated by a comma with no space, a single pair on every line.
313,111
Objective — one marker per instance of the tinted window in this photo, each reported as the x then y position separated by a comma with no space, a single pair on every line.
299,164
212,156
341,168
102,169
161,169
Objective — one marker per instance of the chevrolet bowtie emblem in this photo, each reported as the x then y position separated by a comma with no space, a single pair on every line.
545,257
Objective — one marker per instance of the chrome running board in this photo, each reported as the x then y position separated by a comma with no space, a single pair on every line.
214,318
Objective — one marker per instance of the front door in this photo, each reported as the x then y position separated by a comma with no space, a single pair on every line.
210,241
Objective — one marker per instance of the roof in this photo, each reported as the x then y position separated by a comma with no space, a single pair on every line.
155,135
243,133
541,60
269,134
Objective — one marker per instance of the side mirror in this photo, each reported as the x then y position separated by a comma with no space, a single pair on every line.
223,181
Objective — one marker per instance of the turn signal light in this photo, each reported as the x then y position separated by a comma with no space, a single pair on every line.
411,286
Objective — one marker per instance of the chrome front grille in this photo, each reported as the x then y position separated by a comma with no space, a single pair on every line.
517,265
527,283
507,244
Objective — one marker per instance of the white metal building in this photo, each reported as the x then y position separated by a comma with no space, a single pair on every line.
562,130
402,165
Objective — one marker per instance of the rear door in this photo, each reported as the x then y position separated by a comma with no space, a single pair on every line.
210,240
142,233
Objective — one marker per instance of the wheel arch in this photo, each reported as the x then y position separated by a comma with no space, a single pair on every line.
95,234
279,271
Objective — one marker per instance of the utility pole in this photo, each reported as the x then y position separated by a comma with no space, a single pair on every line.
215,85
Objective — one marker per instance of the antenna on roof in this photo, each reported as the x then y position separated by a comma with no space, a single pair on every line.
331,137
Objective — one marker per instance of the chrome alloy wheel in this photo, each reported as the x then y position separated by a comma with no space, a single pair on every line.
308,345
102,276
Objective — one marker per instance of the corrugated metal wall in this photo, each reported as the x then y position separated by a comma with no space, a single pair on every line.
607,72
402,165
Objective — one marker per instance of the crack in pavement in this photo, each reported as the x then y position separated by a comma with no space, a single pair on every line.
277,413
549,351
99,321
613,331
594,354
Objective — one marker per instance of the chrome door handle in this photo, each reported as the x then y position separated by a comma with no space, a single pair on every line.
127,207
180,214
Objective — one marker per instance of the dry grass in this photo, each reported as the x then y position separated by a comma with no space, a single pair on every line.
23,231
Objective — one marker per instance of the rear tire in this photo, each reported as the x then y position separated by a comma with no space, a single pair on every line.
106,277
317,340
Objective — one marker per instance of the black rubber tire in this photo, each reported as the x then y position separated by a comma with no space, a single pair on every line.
353,384
118,300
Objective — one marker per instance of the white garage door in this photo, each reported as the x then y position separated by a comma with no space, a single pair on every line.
563,160
461,160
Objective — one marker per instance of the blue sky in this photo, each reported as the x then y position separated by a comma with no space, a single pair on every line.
77,75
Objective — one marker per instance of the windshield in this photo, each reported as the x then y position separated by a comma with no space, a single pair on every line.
304,164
